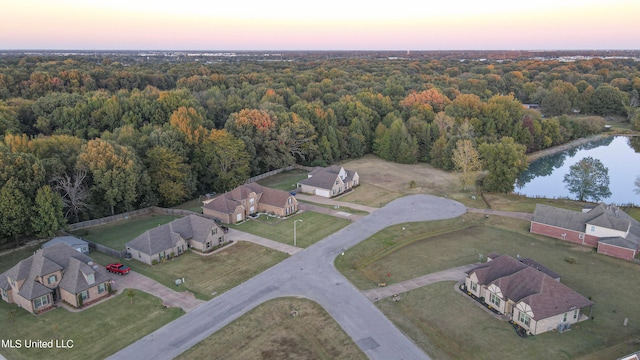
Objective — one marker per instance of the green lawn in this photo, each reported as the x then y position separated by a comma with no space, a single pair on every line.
10,258
457,329
117,234
194,205
341,208
313,228
96,332
270,332
205,275
286,180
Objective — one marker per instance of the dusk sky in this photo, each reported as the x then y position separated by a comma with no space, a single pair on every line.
322,25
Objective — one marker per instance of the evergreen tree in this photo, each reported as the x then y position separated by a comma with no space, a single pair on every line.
48,216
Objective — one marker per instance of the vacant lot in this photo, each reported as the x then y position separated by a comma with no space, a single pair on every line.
286,180
441,320
270,332
96,332
117,234
313,228
207,275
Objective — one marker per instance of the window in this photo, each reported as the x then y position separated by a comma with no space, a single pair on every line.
52,279
91,279
41,301
214,230
564,318
581,236
575,314
524,318
474,286
208,244
251,201
102,288
289,200
593,228
495,300
336,182
84,295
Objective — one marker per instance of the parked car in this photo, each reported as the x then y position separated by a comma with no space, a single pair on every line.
118,268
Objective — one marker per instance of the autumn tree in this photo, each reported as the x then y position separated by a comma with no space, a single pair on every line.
48,217
170,176
115,170
588,179
223,161
466,161
504,161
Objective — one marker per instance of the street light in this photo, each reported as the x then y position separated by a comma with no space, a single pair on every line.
294,231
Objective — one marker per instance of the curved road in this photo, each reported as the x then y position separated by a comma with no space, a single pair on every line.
310,274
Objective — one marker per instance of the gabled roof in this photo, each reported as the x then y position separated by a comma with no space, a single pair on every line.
69,240
74,279
161,238
228,202
607,216
325,178
43,262
521,282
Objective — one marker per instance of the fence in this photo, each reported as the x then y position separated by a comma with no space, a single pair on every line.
278,171
128,215
106,250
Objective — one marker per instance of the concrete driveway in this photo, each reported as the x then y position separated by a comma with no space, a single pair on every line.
310,273
170,297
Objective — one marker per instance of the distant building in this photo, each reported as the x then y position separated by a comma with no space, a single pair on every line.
329,182
78,244
604,227
236,205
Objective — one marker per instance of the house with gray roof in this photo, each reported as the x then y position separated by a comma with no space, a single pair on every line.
55,273
174,238
329,182
247,199
532,299
78,244
605,227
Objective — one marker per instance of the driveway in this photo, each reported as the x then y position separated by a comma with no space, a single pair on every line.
311,274
170,297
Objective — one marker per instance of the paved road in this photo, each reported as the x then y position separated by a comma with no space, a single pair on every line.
310,274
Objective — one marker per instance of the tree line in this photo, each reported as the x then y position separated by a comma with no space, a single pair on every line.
82,138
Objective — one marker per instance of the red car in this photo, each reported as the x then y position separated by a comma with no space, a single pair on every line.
118,268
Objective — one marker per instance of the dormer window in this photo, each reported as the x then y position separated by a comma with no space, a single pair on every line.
251,201
289,200
214,230
90,278
52,279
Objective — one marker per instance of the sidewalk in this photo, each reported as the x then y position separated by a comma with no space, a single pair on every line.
237,235
453,274
323,200
513,214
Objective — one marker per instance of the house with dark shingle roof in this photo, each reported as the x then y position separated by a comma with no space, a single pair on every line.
57,272
329,182
534,300
175,238
236,205
605,227
74,242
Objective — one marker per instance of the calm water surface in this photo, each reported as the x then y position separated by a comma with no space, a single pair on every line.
545,176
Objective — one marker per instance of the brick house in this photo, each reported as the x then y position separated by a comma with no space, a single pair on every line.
604,227
527,293
175,238
236,205
58,272
329,182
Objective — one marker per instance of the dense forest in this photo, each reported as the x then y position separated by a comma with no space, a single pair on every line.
88,136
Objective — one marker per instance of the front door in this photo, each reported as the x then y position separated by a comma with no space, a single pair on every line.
55,295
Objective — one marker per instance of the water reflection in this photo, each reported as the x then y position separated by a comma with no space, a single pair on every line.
620,154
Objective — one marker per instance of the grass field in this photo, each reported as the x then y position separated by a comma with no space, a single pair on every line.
270,332
332,207
441,321
9,258
286,180
194,205
96,332
313,228
206,275
117,234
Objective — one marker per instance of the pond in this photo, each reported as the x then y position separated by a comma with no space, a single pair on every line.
618,154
